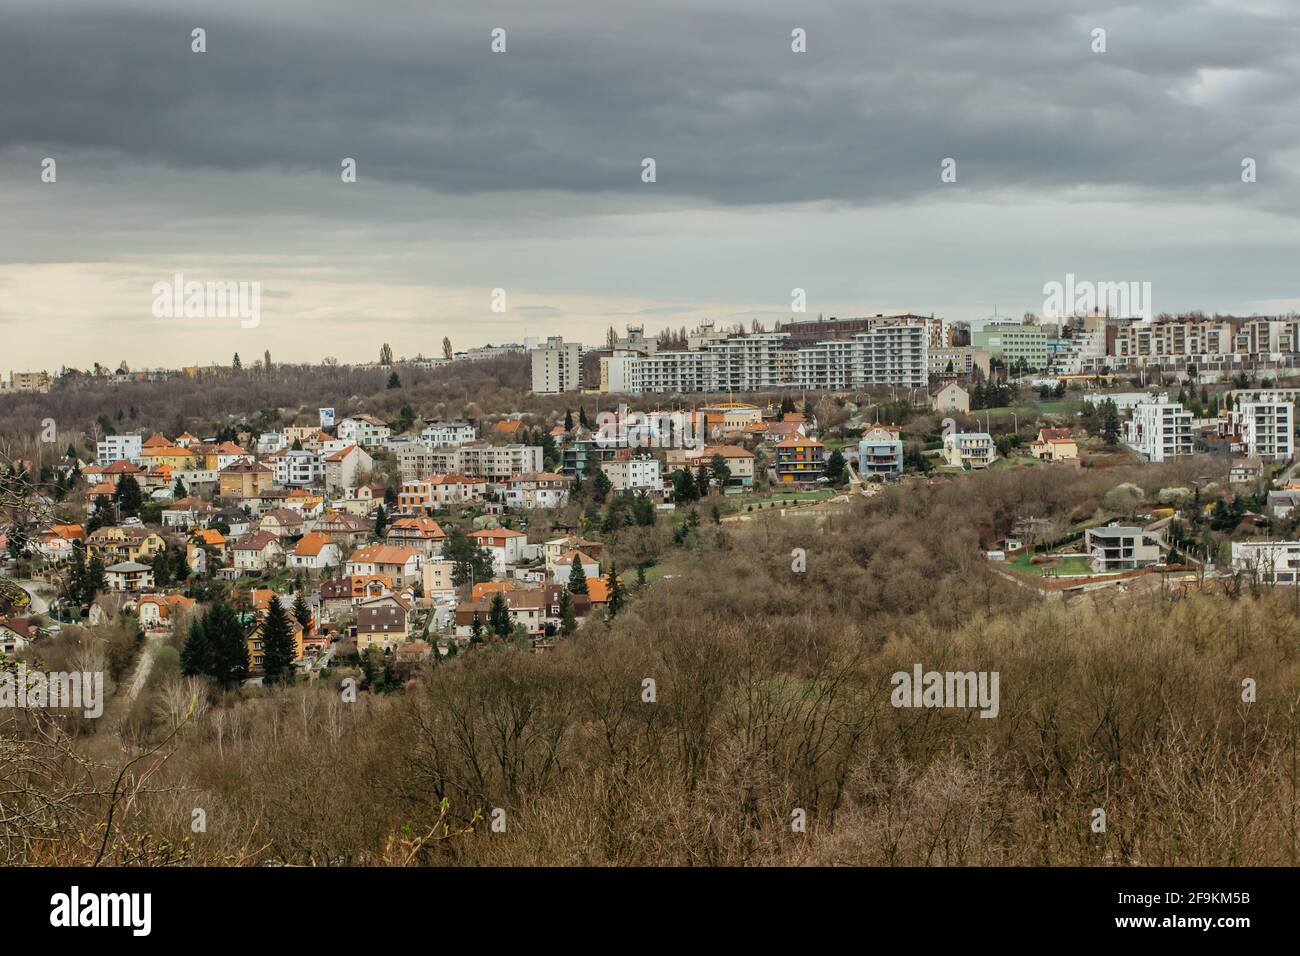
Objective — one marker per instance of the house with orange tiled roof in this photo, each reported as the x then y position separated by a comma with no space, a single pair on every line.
162,611
506,546
598,591
779,431
422,534
557,548
490,587
1054,444
244,479
562,567
118,468
438,492
185,440
400,564
156,440
316,551
73,532
508,428
526,608
228,453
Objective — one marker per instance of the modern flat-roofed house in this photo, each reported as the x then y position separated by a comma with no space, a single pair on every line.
1121,548
1282,503
800,459
1273,562
880,456
969,450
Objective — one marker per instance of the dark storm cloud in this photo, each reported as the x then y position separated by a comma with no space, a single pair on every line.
710,89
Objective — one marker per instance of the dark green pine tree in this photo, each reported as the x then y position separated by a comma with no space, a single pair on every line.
616,599
229,644
568,420
499,616
196,653
277,645
178,490
577,577
568,618
128,497
74,585
476,630
381,521
301,612
582,417
95,581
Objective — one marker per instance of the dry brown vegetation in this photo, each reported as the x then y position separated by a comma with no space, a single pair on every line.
772,695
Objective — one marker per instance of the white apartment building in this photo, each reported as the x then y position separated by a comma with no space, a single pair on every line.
633,474
748,363
1269,561
363,430
883,355
417,460
1266,429
298,468
557,366
969,450
828,365
893,355
118,448
444,434
1159,429
616,370
672,372
498,462
268,443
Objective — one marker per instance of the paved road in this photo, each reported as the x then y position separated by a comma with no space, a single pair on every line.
39,605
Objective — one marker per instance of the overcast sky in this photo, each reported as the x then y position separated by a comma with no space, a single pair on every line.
522,170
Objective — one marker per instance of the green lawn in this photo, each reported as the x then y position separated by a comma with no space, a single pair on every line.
820,495
1069,564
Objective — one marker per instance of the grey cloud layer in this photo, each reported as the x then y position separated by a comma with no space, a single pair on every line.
710,89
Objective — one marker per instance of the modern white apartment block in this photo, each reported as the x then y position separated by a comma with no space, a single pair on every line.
828,365
748,363
498,462
1159,429
1266,429
1268,561
444,434
118,448
670,372
633,474
893,355
298,468
557,366
363,430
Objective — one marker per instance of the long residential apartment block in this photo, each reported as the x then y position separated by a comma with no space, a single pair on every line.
1159,429
885,354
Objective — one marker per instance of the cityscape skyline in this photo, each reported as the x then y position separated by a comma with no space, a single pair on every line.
521,169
